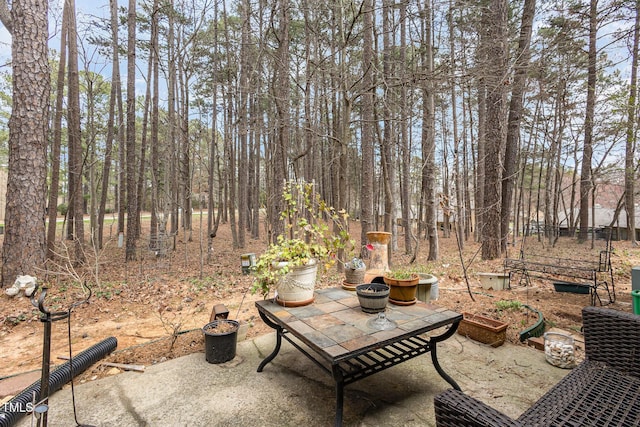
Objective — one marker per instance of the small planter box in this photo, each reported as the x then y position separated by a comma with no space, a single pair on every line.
483,329
495,281
576,288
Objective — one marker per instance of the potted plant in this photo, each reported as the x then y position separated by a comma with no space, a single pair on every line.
221,337
290,264
403,286
354,270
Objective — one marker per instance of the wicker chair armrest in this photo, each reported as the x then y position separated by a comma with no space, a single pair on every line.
612,337
455,409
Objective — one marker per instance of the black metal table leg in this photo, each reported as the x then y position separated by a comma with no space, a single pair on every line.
434,355
364,361
275,351
337,376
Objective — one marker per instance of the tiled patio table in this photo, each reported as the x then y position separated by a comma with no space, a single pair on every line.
334,333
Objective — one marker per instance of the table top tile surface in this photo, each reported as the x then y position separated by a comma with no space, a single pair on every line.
335,326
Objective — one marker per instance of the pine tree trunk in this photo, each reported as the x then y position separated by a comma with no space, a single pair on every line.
387,149
587,152
243,124
496,48
131,162
629,177
368,126
515,117
23,250
428,140
155,228
281,143
76,158
457,153
57,137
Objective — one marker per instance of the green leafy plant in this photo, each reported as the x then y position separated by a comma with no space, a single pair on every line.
401,274
199,285
307,237
15,320
508,305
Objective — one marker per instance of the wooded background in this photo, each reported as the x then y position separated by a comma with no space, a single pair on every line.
475,117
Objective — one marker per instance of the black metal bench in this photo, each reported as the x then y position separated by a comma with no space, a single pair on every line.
604,390
597,274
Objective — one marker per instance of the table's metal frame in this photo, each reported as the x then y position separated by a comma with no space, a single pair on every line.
361,363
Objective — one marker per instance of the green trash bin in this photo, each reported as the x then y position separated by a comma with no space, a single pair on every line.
635,295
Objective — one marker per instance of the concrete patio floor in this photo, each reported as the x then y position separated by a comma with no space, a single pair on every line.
293,391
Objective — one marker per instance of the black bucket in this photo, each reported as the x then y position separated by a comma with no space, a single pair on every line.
220,347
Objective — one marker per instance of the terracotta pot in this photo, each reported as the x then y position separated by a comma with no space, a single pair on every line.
381,237
402,291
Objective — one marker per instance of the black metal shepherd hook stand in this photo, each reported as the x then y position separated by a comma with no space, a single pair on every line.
47,317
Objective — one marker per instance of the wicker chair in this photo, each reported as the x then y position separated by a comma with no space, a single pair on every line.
604,390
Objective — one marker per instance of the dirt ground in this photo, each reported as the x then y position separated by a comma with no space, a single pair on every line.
156,306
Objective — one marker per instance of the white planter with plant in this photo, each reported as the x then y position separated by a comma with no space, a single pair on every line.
297,286
289,266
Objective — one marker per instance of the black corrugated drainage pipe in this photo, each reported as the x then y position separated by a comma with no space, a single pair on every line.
13,410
